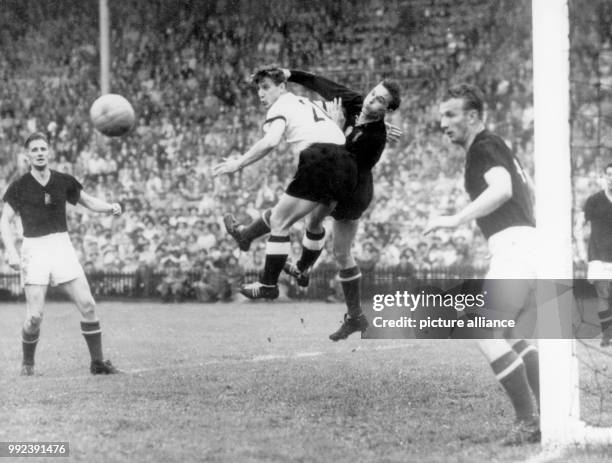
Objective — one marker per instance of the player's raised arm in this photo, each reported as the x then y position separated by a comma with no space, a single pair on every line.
328,89
261,148
12,256
98,205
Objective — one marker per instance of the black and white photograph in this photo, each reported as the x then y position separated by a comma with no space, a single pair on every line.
306,231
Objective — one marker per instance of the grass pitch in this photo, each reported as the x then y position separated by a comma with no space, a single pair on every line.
251,382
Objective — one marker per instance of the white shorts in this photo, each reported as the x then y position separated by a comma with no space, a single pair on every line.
49,260
513,254
599,271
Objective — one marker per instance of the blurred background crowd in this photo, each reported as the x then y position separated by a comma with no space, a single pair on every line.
185,67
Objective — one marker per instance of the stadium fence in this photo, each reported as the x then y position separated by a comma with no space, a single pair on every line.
323,282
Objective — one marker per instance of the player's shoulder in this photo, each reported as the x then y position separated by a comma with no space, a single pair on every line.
62,175
286,99
596,197
19,179
280,106
488,143
488,138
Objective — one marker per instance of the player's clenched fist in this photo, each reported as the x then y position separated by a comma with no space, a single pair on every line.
116,209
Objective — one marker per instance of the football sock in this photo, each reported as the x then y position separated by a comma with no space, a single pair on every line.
530,357
93,336
510,371
312,245
258,227
605,319
350,278
277,250
28,344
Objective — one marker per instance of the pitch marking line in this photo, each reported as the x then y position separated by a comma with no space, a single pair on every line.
266,358
256,359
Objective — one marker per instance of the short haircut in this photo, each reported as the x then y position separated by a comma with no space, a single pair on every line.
608,166
274,73
394,90
472,96
35,136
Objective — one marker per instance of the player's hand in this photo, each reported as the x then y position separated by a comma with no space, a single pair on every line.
393,133
336,112
443,221
228,166
116,209
287,72
13,261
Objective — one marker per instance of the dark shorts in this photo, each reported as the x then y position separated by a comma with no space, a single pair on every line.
325,173
353,207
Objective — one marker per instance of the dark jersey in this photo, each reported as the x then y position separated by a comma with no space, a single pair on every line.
43,208
598,211
488,151
365,141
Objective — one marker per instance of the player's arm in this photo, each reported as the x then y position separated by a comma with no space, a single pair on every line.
328,89
261,148
12,256
498,191
98,205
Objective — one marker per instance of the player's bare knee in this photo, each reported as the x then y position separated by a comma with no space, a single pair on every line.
343,257
278,227
603,289
276,223
87,307
33,322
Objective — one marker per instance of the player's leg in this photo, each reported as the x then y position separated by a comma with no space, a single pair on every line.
245,234
312,245
511,373
511,294
602,287
344,232
525,325
79,292
287,211
35,300
529,353
514,362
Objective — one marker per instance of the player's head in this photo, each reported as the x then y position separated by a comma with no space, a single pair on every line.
608,172
383,98
271,83
37,150
461,112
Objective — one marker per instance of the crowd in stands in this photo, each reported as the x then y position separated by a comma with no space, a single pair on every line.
185,66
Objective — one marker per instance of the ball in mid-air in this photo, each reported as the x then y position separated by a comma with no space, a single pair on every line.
112,115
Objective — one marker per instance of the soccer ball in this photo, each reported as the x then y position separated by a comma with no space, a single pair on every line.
112,115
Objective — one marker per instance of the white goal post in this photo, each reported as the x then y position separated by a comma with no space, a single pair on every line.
559,379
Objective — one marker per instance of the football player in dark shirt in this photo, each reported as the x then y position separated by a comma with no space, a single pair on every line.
39,197
501,205
364,123
598,211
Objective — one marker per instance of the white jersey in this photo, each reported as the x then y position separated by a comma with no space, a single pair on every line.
305,122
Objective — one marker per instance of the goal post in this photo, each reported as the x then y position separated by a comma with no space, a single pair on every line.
104,26
559,379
